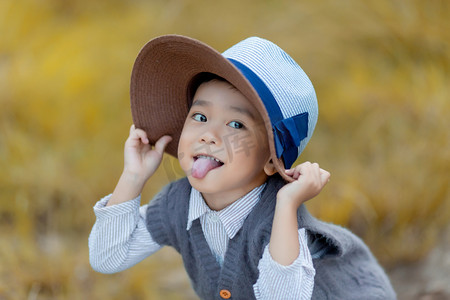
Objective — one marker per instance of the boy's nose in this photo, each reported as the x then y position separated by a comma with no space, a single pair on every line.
210,138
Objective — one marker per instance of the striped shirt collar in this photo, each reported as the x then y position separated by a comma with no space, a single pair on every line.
232,216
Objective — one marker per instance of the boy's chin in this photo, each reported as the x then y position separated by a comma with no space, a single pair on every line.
197,183
203,185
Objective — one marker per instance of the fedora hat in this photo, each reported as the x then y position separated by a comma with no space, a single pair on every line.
163,73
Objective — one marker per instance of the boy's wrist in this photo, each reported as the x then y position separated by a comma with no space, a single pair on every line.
133,179
130,186
284,203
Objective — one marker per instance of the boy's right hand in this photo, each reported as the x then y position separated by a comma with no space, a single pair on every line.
140,160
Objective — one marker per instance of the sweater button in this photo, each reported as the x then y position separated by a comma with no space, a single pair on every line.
225,294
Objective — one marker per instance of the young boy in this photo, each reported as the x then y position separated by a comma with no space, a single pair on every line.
236,121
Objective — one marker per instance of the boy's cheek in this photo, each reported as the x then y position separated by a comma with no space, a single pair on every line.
184,163
183,156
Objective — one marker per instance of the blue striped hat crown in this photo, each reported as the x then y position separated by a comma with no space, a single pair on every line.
284,88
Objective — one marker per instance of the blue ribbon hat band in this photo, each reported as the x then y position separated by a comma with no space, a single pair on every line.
289,132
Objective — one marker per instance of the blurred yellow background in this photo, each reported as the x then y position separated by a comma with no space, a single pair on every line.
381,73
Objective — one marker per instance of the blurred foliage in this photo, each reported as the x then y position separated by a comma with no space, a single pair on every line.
381,72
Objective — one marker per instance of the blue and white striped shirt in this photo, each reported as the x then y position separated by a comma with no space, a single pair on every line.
120,239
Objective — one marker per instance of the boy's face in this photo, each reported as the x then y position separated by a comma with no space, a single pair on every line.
223,147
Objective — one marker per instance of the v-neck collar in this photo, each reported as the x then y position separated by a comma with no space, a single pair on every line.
232,216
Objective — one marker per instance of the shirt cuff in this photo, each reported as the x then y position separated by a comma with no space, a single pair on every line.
102,211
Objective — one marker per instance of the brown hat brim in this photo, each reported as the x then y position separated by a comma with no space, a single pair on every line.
160,82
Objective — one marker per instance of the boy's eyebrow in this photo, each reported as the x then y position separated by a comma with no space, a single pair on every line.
201,103
244,111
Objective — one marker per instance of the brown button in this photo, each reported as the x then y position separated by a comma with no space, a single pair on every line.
225,294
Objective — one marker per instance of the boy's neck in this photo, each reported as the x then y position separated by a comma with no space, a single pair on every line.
218,201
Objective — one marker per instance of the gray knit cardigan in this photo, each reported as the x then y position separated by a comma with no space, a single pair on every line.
345,268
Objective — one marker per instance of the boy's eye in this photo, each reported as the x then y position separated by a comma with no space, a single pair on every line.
235,124
199,117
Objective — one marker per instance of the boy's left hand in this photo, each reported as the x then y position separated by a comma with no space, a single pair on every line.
309,181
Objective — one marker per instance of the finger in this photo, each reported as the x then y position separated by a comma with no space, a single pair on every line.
139,134
293,172
289,171
297,172
142,135
303,168
161,144
316,171
324,176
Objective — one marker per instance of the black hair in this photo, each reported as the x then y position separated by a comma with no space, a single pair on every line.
198,80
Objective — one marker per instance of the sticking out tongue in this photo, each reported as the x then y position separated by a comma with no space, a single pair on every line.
202,166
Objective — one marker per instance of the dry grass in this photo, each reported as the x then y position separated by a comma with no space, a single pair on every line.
381,71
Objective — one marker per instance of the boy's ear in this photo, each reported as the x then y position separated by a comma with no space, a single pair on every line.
269,168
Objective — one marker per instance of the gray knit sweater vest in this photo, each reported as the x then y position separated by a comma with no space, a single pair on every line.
345,268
